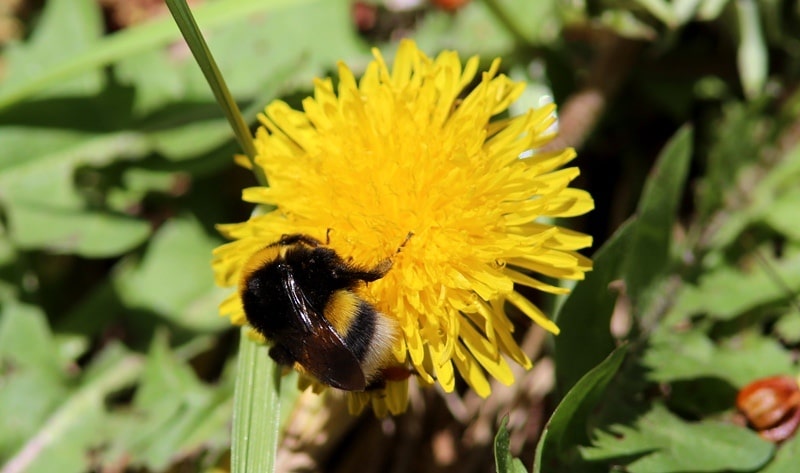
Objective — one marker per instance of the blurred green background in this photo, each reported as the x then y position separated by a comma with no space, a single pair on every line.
116,163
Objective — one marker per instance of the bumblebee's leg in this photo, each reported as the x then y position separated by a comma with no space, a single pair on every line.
369,275
391,373
293,238
376,385
380,269
281,355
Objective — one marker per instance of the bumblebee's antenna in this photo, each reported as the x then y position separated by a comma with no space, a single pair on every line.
408,237
384,266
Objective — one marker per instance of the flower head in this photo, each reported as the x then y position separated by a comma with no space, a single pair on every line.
411,149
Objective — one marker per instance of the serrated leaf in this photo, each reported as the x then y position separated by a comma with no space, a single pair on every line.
567,426
504,461
667,444
63,441
162,374
727,292
649,250
779,180
734,145
687,355
702,397
173,412
585,316
31,375
174,279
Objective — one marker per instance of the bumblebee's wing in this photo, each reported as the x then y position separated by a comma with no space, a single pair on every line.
318,348
300,303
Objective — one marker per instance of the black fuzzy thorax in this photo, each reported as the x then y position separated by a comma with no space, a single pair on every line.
317,272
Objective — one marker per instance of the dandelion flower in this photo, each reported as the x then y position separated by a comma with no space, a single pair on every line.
412,148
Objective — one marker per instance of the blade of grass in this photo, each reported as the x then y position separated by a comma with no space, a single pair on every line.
256,409
197,44
752,57
256,399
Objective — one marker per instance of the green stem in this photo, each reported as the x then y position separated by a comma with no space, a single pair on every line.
197,44
256,409
256,400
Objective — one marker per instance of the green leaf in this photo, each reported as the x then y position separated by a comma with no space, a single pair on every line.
567,426
685,10
490,29
130,41
649,248
585,316
779,181
32,376
63,441
90,234
626,24
788,327
74,26
173,413
174,279
46,209
727,292
197,44
662,10
785,460
504,462
782,213
700,397
666,444
687,355
25,338
711,9
235,39
7,252
735,144
180,141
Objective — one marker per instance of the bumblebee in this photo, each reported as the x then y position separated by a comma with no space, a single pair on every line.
302,297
